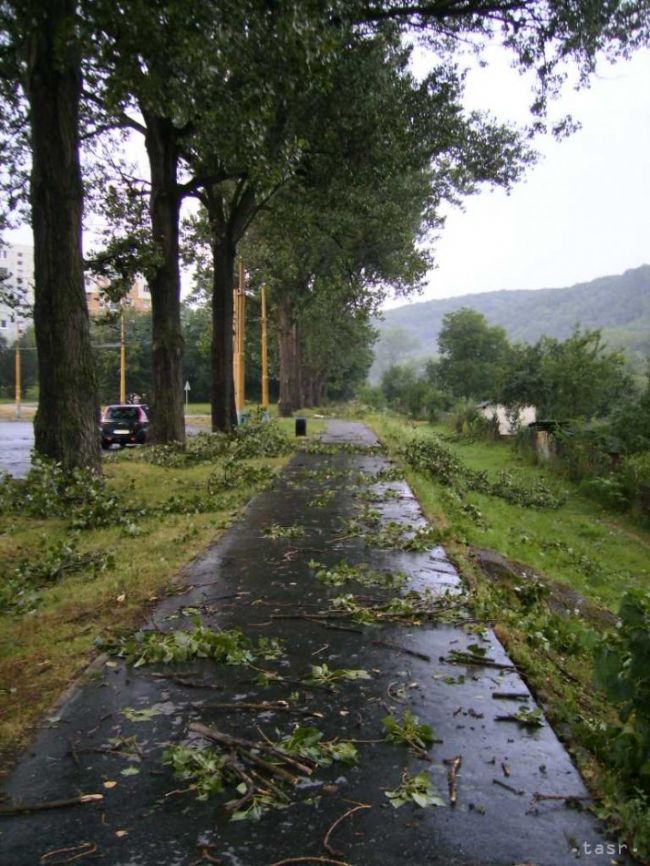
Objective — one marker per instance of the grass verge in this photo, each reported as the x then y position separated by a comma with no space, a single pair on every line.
43,649
577,547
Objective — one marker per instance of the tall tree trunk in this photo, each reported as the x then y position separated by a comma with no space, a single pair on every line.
286,401
66,425
168,422
224,251
297,368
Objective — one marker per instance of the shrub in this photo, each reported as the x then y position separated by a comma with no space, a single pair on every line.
468,422
622,670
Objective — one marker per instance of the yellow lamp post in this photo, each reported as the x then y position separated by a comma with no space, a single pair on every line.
122,358
265,352
240,342
18,373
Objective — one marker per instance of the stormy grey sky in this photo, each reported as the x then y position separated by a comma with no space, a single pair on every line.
583,210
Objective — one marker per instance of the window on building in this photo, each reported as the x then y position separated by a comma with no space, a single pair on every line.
3,323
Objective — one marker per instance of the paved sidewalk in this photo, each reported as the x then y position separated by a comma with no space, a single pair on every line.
249,580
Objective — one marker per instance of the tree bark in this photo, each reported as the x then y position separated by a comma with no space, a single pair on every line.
66,425
168,421
297,378
224,252
286,402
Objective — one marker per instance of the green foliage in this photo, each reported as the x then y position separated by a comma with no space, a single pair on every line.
429,455
230,647
255,438
474,355
203,767
470,423
276,530
343,573
416,789
622,670
324,676
412,394
49,491
20,590
235,473
408,730
575,378
525,716
307,742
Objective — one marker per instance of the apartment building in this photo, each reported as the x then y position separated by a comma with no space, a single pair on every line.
17,271
137,298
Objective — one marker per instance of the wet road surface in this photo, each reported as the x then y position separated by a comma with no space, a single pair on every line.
17,441
264,586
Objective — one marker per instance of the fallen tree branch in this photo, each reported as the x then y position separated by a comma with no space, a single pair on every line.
326,839
84,849
310,860
454,765
518,791
402,649
52,804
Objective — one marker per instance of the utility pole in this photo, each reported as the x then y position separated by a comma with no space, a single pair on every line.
265,353
240,388
235,344
18,372
122,358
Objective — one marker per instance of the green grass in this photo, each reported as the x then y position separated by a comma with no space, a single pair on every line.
41,652
581,544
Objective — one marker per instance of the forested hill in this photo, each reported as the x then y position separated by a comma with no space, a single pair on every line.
619,305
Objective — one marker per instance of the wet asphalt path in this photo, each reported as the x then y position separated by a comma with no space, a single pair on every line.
257,583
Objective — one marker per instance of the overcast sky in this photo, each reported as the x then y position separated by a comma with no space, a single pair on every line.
582,212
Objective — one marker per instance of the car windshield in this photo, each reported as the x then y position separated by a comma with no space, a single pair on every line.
121,413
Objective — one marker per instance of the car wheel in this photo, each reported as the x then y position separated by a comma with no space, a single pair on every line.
105,445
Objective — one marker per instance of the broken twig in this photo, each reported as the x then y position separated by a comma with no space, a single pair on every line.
454,765
326,840
52,804
518,791
402,649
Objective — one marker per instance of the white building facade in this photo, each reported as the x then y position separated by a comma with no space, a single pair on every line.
17,268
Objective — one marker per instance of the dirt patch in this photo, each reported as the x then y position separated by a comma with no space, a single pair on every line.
563,599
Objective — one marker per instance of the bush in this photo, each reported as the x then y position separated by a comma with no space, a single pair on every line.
371,397
622,670
468,422
50,491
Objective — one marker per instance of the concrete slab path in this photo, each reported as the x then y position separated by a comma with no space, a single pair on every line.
265,586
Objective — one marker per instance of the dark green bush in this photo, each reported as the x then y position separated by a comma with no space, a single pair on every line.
622,670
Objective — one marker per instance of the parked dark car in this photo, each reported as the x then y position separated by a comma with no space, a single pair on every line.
124,424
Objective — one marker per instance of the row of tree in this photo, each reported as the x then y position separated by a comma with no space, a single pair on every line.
300,131
338,358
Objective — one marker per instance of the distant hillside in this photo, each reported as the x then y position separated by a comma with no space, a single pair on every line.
618,305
